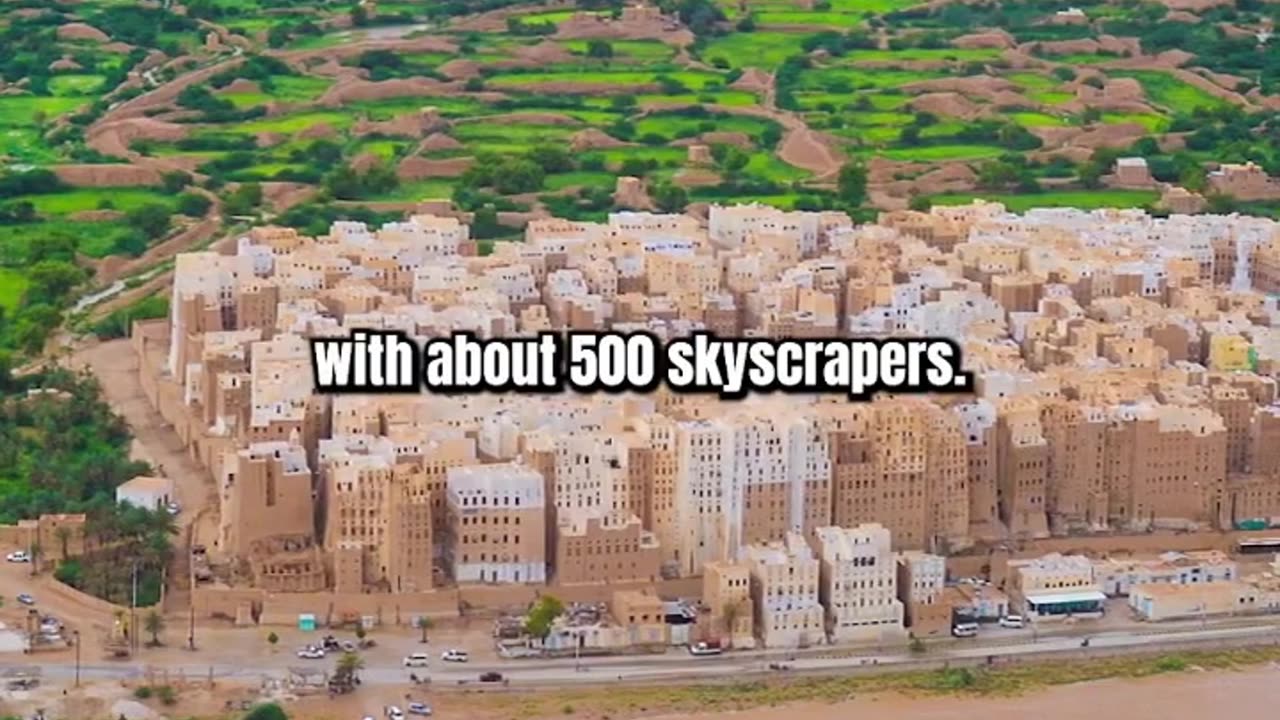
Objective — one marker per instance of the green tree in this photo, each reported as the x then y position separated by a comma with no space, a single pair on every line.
517,175
920,203
268,711
537,622
153,623
551,158
851,183
244,200
272,639
175,181
63,534
346,670
193,204
49,281
669,197
152,219
599,49
729,159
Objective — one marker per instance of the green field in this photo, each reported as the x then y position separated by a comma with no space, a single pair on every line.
692,79
760,49
75,85
1164,89
73,201
1083,199
13,283
940,153
26,110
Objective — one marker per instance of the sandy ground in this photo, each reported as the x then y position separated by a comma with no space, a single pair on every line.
1190,696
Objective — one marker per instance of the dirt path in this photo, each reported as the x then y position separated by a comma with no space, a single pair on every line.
108,272
116,366
801,146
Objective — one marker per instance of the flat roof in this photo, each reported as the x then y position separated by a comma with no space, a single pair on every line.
1081,596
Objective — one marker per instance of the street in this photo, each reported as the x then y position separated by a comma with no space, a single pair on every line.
679,665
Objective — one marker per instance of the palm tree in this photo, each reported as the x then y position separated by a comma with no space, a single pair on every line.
345,672
63,533
35,552
154,624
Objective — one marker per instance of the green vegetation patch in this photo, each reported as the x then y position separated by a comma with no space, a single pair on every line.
13,283
73,201
75,85
1083,199
27,111
937,153
760,49
1174,94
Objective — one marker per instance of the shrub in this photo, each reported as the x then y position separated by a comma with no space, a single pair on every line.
142,693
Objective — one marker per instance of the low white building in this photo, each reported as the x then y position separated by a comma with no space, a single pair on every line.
149,493
1117,576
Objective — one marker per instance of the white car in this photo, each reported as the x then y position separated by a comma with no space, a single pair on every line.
394,713
311,652
417,660
18,556
1011,621
419,708
452,655
173,508
965,630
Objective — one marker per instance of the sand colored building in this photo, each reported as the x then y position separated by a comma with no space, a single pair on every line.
1121,361
785,582
858,583
922,579
266,492
726,591
606,549
378,526
497,524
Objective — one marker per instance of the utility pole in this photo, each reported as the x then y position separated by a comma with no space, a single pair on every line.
77,634
191,628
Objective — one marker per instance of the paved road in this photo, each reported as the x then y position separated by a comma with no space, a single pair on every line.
677,665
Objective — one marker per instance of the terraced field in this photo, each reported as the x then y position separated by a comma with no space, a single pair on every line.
302,112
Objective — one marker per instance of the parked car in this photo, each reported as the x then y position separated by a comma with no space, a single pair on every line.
174,508
417,660
965,630
419,708
330,643
18,556
394,713
1011,621
311,652
491,677
705,648
452,655
26,599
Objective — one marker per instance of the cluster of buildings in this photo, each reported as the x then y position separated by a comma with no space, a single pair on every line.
1125,380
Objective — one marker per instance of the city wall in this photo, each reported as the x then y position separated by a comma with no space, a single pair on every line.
243,604
150,340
